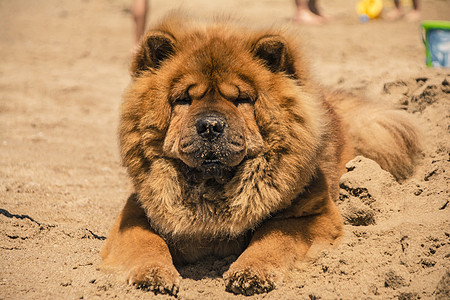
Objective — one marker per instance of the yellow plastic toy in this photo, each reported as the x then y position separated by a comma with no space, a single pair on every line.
370,8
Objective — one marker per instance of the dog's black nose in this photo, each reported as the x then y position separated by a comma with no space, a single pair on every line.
210,127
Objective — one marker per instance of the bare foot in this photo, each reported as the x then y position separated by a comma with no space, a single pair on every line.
413,16
395,15
135,49
307,17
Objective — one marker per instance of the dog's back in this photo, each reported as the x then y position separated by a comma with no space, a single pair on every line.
387,135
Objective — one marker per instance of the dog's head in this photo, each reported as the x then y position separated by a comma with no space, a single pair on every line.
230,107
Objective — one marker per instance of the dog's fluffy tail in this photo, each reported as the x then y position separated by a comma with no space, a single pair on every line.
386,135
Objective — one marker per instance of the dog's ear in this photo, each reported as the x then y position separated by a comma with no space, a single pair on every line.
274,52
156,47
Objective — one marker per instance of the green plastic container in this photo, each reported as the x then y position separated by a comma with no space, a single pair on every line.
436,37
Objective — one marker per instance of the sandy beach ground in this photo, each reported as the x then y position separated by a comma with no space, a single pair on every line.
63,68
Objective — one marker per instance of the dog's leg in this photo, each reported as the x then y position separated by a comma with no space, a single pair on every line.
133,247
279,244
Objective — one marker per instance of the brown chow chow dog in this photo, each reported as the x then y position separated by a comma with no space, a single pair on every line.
233,150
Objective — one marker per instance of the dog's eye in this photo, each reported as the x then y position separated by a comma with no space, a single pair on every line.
242,100
185,100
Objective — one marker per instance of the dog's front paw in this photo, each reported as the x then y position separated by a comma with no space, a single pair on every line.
249,281
155,277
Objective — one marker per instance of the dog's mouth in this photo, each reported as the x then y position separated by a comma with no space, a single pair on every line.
215,159
210,159
212,168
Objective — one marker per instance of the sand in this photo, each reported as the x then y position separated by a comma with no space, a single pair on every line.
62,72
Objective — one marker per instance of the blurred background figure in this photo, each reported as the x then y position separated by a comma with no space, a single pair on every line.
398,13
139,10
307,12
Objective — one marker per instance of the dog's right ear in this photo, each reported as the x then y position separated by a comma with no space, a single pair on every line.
156,47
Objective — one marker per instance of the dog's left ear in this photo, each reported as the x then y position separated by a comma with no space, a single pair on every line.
274,52
156,47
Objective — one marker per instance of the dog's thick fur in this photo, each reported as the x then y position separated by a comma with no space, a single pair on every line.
233,150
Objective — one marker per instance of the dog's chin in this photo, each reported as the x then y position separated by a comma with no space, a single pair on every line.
214,170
